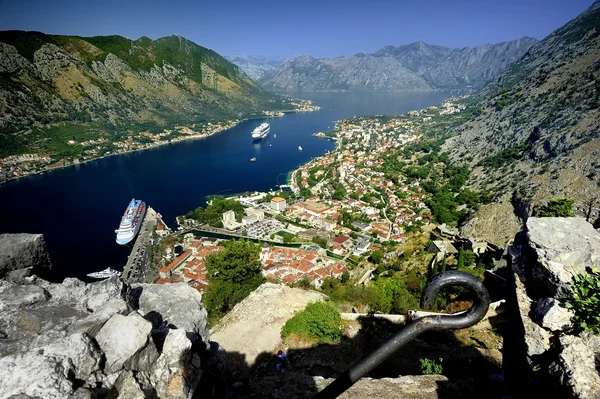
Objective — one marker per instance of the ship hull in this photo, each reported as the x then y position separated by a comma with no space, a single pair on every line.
261,132
127,237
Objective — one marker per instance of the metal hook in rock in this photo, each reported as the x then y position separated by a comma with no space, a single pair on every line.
455,321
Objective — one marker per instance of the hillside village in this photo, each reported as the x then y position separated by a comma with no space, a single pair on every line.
338,218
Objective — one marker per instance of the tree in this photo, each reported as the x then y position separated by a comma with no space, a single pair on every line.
461,259
469,258
376,257
233,274
345,277
557,207
443,266
590,198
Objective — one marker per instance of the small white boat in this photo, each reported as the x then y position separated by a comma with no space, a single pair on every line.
299,148
106,273
274,135
253,159
270,145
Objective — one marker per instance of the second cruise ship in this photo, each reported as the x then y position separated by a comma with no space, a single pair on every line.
261,131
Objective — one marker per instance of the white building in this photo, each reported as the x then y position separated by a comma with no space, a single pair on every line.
278,204
229,221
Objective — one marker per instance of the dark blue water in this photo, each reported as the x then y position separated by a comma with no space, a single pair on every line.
78,208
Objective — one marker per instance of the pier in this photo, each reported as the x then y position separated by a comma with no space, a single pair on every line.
137,262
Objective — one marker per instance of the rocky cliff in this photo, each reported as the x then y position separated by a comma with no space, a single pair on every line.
416,66
538,132
255,66
63,85
544,352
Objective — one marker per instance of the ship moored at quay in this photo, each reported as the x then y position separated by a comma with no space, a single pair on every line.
131,221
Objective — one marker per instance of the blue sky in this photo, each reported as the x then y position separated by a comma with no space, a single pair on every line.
323,28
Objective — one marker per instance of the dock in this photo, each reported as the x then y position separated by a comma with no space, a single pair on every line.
137,262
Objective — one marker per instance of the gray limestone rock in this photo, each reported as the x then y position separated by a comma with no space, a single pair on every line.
121,338
143,359
178,304
18,251
127,386
552,316
564,247
575,368
17,296
176,348
49,372
20,276
537,340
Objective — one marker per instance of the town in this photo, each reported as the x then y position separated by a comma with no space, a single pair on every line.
338,217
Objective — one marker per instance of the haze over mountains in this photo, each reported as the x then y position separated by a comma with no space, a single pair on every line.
415,66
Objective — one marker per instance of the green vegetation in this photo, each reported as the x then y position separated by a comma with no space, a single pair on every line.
429,367
504,157
318,321
213,213
232,274
557,207
585,302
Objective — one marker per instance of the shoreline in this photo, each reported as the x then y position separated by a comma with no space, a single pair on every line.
153,146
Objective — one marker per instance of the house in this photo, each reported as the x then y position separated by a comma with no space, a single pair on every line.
362,246
278,204
344,241
441,248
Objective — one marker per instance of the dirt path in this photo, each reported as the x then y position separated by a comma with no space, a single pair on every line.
254,325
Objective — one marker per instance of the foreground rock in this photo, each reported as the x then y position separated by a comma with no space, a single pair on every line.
546,353
19,251
93,341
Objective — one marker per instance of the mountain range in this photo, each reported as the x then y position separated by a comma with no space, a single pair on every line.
108,84
537,135
416,66
256,66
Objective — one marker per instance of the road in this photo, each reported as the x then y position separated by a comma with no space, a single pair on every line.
136,268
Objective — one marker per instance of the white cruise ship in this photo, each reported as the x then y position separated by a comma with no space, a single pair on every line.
261,131
131,221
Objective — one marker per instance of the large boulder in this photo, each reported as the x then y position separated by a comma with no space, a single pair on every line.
51,371
178,304
18,251
562,247
122,337
552,316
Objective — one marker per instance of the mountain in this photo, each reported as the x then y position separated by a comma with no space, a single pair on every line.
538,132
361,72
443,67
108,84
255,66
416,66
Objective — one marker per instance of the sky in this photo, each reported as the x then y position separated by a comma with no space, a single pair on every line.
321,28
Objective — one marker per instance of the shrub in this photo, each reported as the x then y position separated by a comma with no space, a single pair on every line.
319,320
557,207
431,366
585,302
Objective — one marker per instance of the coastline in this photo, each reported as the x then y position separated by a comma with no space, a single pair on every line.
153,146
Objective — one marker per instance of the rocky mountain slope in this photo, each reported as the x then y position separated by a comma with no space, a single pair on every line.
361,72
538,135
416,66
255,66
110,83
